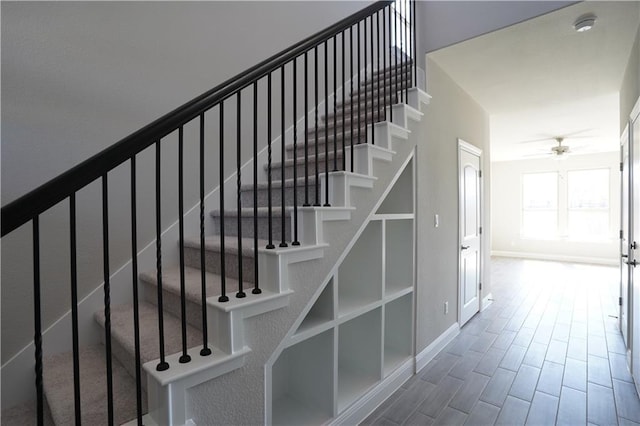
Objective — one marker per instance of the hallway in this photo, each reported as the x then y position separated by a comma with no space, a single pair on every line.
547,350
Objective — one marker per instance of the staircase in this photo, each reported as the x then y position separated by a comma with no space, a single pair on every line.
262,261
58,380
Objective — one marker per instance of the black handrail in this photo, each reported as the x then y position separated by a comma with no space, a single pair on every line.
28,206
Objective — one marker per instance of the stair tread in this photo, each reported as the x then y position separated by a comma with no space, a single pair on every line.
171,283
321,157
122,330
58,387
212,243
288,183
247,212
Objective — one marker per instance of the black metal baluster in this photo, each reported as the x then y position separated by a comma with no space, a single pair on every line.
184,358
392,96
37,321
294,241
240,294
366,97
107,296
269,168
74,308
315,82
351,107
203,270
282,169
378,62
384,64
408,47
395,52
326,125
415,44
344,153
359,87
162,365
134,280
256,282
335,109
373,87
403,61
223,275
306,131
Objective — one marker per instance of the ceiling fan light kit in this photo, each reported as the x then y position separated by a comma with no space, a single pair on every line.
585,22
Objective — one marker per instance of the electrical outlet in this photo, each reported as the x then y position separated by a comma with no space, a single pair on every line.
446,308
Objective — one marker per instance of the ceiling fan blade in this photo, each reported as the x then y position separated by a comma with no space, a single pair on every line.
565,136
537,140
541,155
574,134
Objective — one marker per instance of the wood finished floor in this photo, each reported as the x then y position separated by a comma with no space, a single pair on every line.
547,351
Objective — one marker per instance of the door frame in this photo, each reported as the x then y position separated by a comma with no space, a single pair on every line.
625,268
633,313
474,150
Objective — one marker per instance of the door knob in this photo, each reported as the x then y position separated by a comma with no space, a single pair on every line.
464,247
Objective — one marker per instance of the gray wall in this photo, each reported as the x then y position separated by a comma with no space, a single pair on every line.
452,114
630,89
77,77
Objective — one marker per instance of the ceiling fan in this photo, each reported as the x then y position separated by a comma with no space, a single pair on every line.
560,150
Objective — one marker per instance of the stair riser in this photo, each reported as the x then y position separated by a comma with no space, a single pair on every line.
348,128
371,103
231,227
370,92
127,359
347,142
408,76
288,172
393,70
276,195
212,263
376,116
171,304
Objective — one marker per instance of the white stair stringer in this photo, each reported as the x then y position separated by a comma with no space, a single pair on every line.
227,331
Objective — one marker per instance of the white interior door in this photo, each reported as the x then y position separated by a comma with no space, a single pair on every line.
625,198
634,247
470,195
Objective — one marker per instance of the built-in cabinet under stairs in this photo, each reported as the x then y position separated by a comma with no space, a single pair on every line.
341,310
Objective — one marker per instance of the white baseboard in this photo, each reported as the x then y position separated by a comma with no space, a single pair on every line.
428,353
367,404
556,257
486,302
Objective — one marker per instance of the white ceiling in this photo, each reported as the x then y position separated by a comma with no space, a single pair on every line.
541,79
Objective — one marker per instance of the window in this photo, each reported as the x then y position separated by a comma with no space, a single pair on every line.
572,204
588,193
540,205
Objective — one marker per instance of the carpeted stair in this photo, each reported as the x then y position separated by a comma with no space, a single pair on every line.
58,375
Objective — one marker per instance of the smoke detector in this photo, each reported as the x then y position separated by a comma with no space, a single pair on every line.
585,22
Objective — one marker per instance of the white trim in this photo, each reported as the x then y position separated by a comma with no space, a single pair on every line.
635,112
469,148
428,353
556,257
364,406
